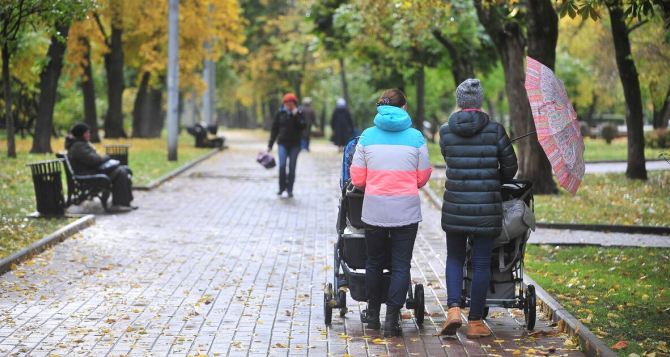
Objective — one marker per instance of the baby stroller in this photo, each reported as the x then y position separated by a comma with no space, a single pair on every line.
506,288
350,254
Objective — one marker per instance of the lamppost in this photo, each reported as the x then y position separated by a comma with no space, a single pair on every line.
173,78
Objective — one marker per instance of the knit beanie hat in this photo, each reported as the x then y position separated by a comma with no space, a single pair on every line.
470,94
79,129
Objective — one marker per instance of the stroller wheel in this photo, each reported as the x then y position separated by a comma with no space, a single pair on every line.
419,307
342,300
327,304
530,307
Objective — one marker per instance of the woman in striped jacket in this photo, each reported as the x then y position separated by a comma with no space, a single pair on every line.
391,164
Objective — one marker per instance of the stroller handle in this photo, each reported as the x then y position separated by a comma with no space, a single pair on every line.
517,188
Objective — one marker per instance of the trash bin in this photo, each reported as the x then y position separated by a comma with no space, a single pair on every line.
118,152
48,187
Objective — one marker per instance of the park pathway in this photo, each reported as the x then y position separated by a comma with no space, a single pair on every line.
213,263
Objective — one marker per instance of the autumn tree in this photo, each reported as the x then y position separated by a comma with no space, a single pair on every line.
510,33
625,17
13,19
110,20
80,58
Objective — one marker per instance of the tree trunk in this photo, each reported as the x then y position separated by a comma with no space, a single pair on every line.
140,107
6,83
114,68
420,99
48,90
542,32
343,78
156,116
631,89
509,42
88,91
662,113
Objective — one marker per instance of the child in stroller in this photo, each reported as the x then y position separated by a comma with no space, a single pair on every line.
350,253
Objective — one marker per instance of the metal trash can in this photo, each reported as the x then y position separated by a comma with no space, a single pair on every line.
118,152
48,187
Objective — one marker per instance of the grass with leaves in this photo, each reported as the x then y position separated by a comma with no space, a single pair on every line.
605,199
620,294
147,158
594,150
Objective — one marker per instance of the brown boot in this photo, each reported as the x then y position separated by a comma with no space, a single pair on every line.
476,329
453,321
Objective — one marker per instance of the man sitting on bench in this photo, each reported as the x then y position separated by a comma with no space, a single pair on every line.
86,161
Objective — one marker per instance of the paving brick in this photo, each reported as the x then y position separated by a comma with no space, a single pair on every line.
215,263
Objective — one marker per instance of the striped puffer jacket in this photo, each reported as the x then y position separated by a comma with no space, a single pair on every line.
391,163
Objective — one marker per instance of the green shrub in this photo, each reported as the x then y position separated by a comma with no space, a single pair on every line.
658,139
609,132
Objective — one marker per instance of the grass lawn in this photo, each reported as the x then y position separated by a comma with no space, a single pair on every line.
620,294
605,199
595,150
147,158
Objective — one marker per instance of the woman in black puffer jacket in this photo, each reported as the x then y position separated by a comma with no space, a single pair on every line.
479,157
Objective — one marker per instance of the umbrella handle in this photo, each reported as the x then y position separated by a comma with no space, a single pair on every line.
523,136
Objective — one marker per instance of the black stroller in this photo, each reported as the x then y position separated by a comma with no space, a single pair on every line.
506,288
349,266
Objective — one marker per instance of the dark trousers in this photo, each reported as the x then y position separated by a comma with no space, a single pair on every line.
289,153
377,241
122,186
481,271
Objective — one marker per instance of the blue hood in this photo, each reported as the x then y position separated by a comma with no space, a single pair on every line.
392,118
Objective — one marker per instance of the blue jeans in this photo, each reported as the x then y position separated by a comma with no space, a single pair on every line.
377,240
481,272
290,153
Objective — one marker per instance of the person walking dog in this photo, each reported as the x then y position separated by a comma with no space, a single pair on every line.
479,157
287,131
390,163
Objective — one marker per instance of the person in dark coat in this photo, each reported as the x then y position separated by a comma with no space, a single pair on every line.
479,157
310,118
342,124
86,161
287,130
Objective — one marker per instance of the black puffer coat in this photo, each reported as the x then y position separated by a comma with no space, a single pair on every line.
479,155
82,156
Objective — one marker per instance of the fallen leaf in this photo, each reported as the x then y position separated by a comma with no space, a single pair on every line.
620,345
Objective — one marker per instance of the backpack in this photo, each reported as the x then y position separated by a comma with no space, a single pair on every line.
347,158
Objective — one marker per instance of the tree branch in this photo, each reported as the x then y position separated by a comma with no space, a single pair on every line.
102,28
636,26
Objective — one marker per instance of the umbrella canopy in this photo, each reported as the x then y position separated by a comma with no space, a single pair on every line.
556,124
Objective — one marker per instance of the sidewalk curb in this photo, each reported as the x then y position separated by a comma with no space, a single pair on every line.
651,230
41,245
608,228
444,166
170,175
589,343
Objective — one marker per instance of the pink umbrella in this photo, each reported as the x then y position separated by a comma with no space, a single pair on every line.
556,124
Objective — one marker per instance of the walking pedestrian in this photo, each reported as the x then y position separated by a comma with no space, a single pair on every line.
310,117
342,124
479,157
287,129
391,164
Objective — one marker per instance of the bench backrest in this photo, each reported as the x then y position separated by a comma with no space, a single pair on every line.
69,173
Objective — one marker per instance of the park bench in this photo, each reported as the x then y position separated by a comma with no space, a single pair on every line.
202,136
81,188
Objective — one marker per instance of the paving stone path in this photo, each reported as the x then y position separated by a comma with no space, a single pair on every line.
213,263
